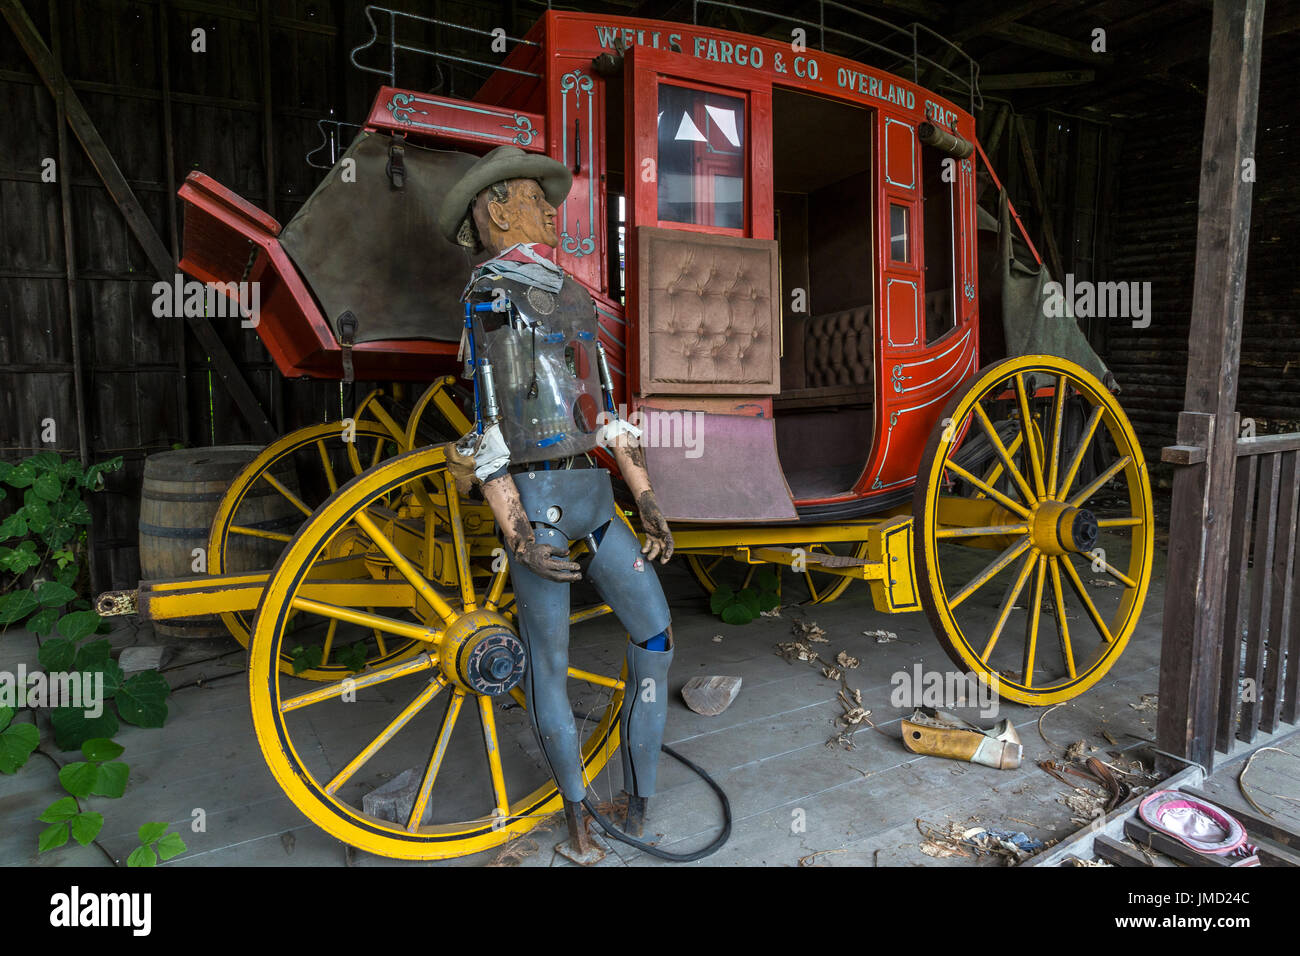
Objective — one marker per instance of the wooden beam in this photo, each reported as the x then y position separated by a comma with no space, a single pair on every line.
1040,200
978,19
1024,81
1036,39
1197,577
102,160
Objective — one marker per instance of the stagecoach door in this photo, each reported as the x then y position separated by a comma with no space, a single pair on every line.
703,290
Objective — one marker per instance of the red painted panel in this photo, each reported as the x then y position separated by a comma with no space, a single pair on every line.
456,122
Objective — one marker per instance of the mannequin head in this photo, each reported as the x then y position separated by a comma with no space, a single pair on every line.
512,211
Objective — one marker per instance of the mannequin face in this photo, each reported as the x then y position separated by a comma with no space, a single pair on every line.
525,216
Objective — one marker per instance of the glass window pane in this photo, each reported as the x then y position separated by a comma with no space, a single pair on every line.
701,165
899,247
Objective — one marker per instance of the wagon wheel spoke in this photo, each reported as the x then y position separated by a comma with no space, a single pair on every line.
404,566
404,717
487,718
1090,429
327,466
988,489
259,533
1008,602
1062,622
1031,625
288,495
1026,426
1004,454
1058,413
1082,497
370,678
995,472
435,760
991,571
1086,599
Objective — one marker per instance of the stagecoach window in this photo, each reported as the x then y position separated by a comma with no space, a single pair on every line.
899,246
701,165
938,192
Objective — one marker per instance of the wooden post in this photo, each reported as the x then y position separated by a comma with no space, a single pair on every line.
1202,497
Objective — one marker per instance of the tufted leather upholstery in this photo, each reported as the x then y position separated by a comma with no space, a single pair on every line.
837,348
708,314
829,359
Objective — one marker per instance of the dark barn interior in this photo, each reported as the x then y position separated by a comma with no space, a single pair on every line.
1095,114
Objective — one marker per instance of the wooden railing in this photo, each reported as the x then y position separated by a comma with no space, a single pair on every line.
1259,684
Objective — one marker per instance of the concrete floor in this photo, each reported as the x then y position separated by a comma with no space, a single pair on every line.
769,751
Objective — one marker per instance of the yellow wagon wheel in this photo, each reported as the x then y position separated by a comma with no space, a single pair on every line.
271,498
806,586
1075,553
441,395
330,745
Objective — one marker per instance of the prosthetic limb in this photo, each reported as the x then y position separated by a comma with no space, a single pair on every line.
628,583
544,627
949,736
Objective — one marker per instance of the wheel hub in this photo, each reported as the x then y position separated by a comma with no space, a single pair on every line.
1060,529
481,652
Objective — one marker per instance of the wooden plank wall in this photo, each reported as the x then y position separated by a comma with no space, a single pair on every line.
1155,241
257,93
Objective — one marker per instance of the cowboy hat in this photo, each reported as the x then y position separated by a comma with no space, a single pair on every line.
504,162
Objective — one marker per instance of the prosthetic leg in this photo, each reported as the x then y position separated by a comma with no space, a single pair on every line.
583,502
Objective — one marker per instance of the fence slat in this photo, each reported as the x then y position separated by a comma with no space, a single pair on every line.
1243,507
1261,593
1281,570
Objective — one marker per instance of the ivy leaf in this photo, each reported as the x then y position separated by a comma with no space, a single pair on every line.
86,826
18,560
64,808
72,727
43,622
15,526
54,594
353,657
306,658
142,856
16,605
767,600
17,741
111,780
749,599
720,598
766,579
79,624
142,700
21,476
57,654
44,461
149,832
171,845
52,837
737,614
92,656
48,487
101,748
79,778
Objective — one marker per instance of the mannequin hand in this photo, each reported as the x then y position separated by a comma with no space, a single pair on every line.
547,561
658,538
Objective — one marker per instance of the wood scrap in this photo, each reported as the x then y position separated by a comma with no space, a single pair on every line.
710,696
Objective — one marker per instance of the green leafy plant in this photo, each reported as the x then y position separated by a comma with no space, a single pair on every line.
17,741
741,607
101,774
155,844
42,543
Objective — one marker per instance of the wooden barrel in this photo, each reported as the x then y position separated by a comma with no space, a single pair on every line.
181,493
